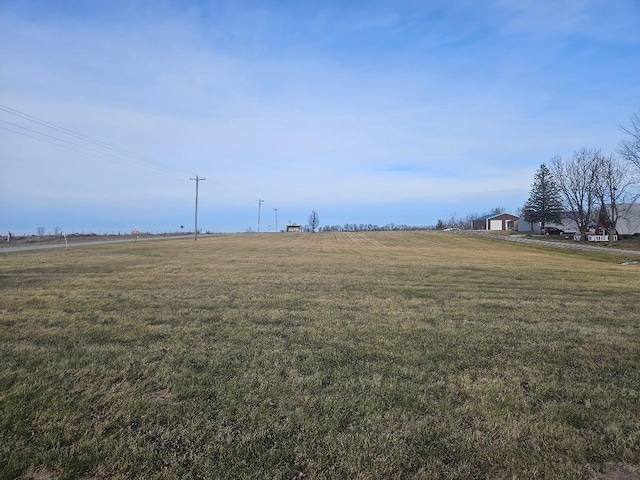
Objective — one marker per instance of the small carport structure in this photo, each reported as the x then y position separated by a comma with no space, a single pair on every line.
294,227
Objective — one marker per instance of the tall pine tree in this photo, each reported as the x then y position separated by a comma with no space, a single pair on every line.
544,204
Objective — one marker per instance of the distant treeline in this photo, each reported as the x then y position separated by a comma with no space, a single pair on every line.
453,222
362,227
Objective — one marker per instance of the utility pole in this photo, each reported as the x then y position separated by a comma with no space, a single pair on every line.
276,210
197,180
260,201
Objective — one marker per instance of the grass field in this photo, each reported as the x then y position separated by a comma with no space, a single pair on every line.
338,355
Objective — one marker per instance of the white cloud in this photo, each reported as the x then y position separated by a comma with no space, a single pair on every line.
379,105
604,21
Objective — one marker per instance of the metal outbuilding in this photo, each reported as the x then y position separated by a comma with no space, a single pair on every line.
495,221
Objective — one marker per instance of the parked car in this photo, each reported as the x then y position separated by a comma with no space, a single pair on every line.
551,231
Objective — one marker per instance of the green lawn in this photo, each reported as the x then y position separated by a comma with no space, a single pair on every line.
333,355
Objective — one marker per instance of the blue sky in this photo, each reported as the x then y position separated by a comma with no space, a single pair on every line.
367,112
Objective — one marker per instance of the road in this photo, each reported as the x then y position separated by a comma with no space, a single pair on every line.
87,243
571,246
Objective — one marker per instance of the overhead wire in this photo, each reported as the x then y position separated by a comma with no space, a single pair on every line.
85,152
109,152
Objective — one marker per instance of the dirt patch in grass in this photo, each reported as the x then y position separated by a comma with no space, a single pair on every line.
617,472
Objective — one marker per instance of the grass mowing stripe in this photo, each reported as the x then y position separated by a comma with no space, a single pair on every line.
377,354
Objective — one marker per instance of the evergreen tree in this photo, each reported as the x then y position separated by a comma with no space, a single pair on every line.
545,203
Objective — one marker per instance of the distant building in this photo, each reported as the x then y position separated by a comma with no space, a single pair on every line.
495,221
628,221
567,223
294,227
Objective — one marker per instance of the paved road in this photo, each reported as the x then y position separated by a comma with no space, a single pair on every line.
571,246
87,243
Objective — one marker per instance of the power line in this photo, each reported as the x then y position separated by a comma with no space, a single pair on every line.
57,139
70,132
101,155
112,152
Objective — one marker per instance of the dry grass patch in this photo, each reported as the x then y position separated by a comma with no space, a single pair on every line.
387,354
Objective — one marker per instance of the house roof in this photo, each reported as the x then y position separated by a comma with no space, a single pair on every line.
494,215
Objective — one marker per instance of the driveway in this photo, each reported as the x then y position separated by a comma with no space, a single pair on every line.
571,246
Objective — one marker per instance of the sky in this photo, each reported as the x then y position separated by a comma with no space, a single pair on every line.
372,112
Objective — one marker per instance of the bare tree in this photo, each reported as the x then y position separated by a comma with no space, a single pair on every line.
615,191
578,182
40,231
460,223
629,146
496,211
468,221
314,221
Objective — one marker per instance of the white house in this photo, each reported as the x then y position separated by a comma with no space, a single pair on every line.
567,223
629,221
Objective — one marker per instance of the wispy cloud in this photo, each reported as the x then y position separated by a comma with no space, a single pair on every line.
312,104
614,22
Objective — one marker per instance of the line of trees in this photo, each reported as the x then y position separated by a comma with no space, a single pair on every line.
591,185
41,231
369,227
